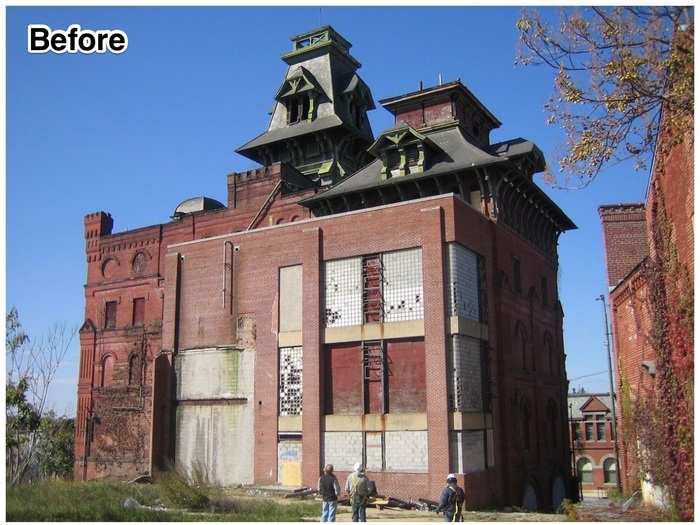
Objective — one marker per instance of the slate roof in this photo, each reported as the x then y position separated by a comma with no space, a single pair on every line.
287,132
456,154
578,400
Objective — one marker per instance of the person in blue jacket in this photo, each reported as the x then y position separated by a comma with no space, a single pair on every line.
451,500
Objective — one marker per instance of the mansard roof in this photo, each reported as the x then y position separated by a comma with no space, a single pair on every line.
301,128
454,153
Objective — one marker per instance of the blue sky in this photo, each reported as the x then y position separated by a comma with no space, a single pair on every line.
134,134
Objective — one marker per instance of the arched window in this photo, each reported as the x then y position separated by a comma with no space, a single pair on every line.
610,471
134,370
584,468
107,371
280,220
525,424
521,340
549,349
552,422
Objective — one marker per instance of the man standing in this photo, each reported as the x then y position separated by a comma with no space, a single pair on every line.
329,488
451,500
357,487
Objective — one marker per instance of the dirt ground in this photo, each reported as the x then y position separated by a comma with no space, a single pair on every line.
402,515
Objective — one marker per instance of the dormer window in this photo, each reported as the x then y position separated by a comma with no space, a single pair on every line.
300,94
403,151
298,108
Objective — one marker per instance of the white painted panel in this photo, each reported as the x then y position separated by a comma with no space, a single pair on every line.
212,373
217,439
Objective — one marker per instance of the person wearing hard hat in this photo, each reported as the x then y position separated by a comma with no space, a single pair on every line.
451,500
357,487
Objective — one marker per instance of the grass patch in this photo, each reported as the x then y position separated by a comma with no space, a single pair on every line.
102,501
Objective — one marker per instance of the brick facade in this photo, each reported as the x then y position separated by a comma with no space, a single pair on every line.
377,390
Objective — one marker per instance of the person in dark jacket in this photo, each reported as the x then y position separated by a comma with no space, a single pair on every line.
451,500
328,488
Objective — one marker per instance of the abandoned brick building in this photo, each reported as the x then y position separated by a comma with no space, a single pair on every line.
391,301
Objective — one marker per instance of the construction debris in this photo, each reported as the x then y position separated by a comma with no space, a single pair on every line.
302,493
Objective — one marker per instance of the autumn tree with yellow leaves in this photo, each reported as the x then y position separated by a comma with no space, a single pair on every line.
616,69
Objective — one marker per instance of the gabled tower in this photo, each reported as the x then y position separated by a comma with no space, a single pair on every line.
319,122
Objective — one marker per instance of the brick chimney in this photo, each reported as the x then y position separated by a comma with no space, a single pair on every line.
625,236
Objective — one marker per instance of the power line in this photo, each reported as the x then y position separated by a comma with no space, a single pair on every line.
588,375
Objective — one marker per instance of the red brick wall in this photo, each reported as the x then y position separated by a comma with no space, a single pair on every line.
625,236
406,376
196,269
344,385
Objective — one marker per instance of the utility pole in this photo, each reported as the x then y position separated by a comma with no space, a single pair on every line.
573,453
601,298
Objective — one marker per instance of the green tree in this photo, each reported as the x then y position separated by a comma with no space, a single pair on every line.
31,369
616,69
55,447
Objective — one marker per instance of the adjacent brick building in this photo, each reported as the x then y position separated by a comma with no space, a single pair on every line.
391,301
649,259
593,442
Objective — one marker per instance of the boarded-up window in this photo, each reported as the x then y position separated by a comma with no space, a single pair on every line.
406,376
139,311
468,452
344,379
107,371
134,370
290,387
290,290
110,314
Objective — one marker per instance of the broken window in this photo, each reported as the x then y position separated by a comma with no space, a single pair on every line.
463,277
465,367
343,295
110,315
139,311
290,381
298,108
374,288
402,292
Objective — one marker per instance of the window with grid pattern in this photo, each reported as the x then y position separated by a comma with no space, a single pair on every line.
343,292
463,282
402,287
290,381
